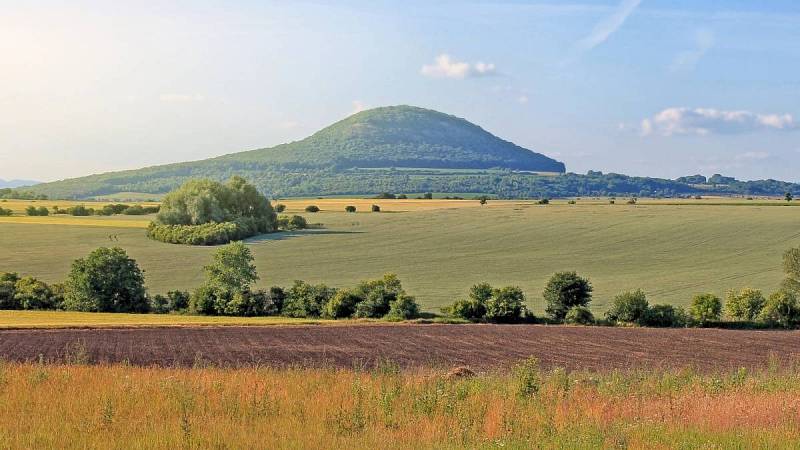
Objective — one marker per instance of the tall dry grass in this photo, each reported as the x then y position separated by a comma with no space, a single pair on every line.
78,406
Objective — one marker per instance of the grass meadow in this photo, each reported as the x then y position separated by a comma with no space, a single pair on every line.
78,406
671,249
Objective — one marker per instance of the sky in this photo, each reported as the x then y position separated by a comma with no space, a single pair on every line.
641,87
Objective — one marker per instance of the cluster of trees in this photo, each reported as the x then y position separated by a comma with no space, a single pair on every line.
502,305
9,193
107,280
206,212
82,210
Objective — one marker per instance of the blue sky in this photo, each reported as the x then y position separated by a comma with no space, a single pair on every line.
657,88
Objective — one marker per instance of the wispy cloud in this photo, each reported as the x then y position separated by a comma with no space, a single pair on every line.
604,29
181,98
447,67
687,60
706,121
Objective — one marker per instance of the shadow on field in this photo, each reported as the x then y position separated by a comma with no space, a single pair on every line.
283,235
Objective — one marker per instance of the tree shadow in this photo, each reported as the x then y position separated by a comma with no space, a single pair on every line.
284,235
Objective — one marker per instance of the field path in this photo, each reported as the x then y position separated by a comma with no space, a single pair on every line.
482,347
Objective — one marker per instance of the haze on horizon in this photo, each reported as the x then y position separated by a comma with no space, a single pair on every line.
642,87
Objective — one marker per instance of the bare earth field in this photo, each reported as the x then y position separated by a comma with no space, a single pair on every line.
481,347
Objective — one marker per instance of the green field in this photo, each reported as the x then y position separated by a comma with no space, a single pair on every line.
671,251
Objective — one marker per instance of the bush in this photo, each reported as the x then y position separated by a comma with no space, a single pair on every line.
31,293
350,208
6,212
403,308
79,210
226,289
8,283
312,208
208,233
280,207
781,309
664,316
135,210
34,211
705,308
159,304
178,300
505,305
579,315
544,201
745,304
376,208
107,280
377,296
290,223
342,304
629,307
427,195
306,300
385,195
565,290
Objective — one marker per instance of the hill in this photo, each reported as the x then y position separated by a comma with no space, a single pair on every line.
16,183
388,137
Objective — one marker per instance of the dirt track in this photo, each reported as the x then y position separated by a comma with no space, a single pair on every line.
478,346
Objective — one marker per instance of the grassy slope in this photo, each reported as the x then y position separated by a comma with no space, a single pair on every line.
127,407
671,251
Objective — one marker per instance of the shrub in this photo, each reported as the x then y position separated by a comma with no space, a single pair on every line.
632,201
544,201
205,234
280,207
290,223
306,300
781,309
427,195
79,210
8,283
404,307
350,208
159,304
745,304
579,315
385,195
31,293
629,307
342,304
377,296
376,208
106,280
705,308
135,210
227,284
178,300
6,212
565,290
505,305
402,197
312,208
664,316
34,211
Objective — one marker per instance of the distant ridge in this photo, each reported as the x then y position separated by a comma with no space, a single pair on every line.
16,183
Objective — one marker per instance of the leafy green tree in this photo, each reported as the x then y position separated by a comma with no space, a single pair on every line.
306,300
579,315
31,293
473,307
665,316
789,197
565,290
629,307
312,208
378,296
376,208
106,280
404,307
781,309
427,196
505,305
706,308
342,304
229,275
350,208
745,304
8,283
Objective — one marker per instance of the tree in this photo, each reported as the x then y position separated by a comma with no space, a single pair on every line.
31,293
342,304
376,208
280,207
312,208
8,284
565,290
664,316
404,307
350,208
473,307
230,273
781,309
505,305
427,195
106,280
306,300
745,304
579,315
378,295
705,308
789,197
629,307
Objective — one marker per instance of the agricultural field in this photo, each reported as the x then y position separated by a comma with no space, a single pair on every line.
671,249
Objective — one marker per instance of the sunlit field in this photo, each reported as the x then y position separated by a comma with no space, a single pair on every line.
76,406
670,250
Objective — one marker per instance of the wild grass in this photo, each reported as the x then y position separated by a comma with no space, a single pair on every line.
76,406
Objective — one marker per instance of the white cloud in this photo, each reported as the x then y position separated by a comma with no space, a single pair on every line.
603,30
447,67
181,98
684,61
705,121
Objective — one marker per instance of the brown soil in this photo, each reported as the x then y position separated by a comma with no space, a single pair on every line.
479,347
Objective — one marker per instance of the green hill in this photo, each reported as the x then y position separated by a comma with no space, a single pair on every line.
388,137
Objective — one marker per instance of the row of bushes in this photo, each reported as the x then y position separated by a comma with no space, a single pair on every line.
216,233
107,280
82,210
567,297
